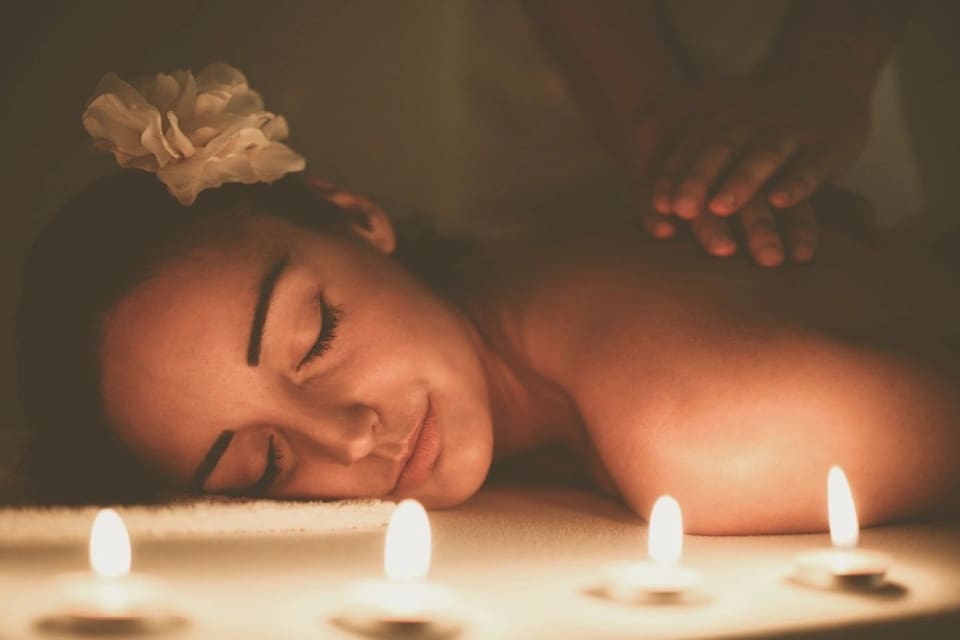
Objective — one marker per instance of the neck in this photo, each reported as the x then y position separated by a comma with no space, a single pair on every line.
528,413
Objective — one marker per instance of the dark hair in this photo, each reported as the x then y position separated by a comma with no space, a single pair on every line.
101,245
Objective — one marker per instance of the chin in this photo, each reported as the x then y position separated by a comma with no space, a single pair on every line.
444,499
456,478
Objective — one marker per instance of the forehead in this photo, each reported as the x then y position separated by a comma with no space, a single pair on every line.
164,348
175,347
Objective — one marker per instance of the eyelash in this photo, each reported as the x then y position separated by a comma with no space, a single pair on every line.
271,471
330,319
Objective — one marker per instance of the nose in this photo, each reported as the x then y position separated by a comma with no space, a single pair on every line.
346,433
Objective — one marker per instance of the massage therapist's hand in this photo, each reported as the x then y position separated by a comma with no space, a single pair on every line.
742,145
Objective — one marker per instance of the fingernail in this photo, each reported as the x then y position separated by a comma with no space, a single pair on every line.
663,230
723,202
686,206
662,204
770,255
780,198
722,245
802,253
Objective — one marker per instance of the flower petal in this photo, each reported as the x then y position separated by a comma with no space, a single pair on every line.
152,138
161,90
176,139
185,104
276,128
210,104
216,130
107,118
275,160
147,162
203,135
110,83
186,179
222,77
238,136
245,103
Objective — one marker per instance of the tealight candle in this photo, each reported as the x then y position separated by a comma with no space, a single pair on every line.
405,603
843,566
109,599
661,579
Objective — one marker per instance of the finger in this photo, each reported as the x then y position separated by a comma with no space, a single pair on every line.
672,170
714,235
802,232
707,166
667,176
764,241
801,178
761,161
658,226
321,186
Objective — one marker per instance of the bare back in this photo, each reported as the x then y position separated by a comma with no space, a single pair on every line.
727,384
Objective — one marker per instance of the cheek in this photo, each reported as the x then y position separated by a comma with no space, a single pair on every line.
317,477
466,455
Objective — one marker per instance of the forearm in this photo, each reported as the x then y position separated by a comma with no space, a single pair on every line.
843,42
614,56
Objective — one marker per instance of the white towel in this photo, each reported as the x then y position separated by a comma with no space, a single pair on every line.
197,517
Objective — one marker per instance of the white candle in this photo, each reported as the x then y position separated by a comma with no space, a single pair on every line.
109,599
843,565
406,602
661,578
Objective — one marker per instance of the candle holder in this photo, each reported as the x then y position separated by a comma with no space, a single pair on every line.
660,580
110,600
843,566
388,609
842,569
405,604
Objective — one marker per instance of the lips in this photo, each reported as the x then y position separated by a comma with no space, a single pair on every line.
423,455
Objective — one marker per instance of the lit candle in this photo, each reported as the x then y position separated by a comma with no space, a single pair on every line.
843,566
109,599
405,602
661,578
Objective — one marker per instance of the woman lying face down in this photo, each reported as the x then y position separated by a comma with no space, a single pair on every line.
266,341
288,355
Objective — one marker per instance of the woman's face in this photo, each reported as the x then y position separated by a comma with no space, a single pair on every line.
298,364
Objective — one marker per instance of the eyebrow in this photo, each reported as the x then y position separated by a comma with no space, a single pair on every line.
211,459
267,285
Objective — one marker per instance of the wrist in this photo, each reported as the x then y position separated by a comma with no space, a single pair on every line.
841,45
633,129
852,79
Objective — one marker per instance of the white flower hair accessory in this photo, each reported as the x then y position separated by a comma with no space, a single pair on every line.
194,133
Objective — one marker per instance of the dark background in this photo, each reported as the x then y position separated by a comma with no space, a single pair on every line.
370,88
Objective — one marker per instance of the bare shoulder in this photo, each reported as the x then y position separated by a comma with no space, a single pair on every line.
729,386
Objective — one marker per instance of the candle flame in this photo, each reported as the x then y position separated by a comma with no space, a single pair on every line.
407,553
109,545
844,526
665,537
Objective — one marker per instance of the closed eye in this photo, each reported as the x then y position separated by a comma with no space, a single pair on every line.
329,320
270,471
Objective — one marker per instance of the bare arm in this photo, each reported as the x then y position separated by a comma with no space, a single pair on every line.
732,145
615,58
776,135
844,42
618,65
